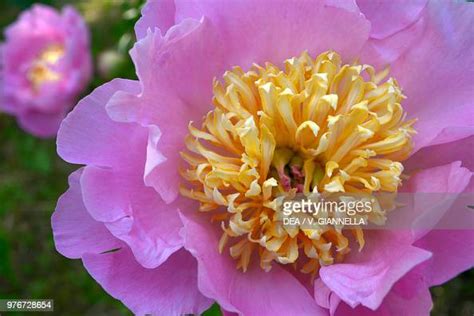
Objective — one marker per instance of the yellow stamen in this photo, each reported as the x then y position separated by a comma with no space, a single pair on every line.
317,126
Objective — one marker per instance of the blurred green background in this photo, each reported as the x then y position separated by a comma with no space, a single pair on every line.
32,177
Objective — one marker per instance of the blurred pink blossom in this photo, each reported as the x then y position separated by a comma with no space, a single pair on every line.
45,63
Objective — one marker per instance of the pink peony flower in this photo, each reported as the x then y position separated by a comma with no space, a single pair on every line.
45,63
176,204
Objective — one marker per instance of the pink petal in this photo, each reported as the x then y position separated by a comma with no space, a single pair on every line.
450,178
254,292
325,297
409,296
388,17
367,276
175,73
439,88
453,250
112,185
170,100
154,230
155,13
435,190
381,53
348,5
133,213
107,192
290,28
395,303
74,230
41,124
162,163
443,154
88,136
453,253
170,289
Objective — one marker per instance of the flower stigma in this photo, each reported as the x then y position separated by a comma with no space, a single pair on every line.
317,126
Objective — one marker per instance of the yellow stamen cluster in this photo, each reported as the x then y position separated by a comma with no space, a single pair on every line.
317,126
41,69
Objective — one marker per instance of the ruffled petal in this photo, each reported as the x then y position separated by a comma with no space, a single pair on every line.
175,72
453,253
397,302
163,161
88,136
170,289
325,297
443,154
453,250
381,53
449,178
409,296
112,184
106,193
169,100
439,88
366,277
155,13
290,28
389,17
434,191
133,213
75,231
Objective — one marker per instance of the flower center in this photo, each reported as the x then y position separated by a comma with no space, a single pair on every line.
41,69
316,126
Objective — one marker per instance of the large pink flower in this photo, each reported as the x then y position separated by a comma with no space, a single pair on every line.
45,63
168,216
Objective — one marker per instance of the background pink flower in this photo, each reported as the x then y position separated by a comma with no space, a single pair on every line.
150,248
45,63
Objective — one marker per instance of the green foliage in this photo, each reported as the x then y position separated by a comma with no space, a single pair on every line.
214,310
